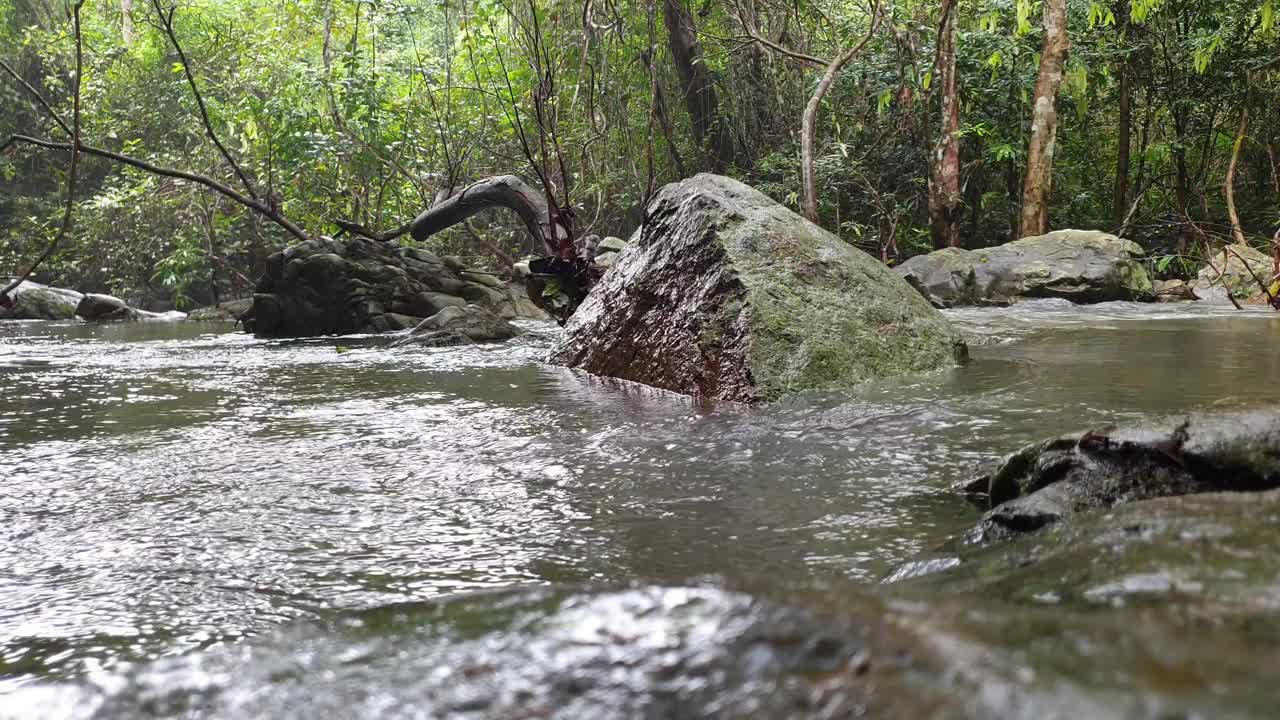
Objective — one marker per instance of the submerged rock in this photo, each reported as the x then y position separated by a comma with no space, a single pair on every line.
666,653
1043,483
33,301
1162,608
229,311
1078,265
326,286
1238,275
460,326
725,294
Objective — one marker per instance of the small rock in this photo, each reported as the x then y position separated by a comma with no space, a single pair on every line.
461,326
1051,480
105,308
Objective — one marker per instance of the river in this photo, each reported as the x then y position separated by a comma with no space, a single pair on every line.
175,489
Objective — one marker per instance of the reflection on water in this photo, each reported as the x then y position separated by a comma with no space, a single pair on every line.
174,486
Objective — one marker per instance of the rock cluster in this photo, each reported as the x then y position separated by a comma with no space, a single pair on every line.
357,285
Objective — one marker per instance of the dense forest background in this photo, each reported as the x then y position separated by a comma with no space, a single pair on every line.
921,119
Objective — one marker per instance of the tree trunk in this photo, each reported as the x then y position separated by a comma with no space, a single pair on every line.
1038,185
709,130
809,123
126,22
946,207
1228,185
1120,196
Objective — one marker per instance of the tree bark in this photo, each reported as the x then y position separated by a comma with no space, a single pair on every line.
946,206
809,123
506,191
1120,194
1038,184
126,22
709,129
1228,185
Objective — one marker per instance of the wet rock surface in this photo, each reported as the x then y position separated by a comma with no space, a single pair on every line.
229,311
357,285
1237,271
460,326
1046,482
108,308
653,652
33,301
725,294
1082,266
1161,608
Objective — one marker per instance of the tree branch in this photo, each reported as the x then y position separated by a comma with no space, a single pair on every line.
251,203
166,20
38,97
506,191
68,216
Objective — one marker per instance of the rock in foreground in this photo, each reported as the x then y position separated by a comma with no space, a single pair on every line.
1043,483
726,294
1077,265
33,301
357,285
649,653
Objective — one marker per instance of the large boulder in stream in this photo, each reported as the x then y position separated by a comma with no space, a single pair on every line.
1051,480
724,293
33,301
1082,266
356,285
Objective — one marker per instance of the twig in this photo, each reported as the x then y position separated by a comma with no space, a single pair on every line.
38,97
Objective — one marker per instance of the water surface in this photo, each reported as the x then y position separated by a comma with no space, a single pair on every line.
173,487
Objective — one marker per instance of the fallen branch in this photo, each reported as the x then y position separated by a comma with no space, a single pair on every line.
506,191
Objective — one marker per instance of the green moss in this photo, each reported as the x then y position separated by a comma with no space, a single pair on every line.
827,316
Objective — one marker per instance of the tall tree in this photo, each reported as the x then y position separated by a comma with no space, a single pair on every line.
1124,130
709,129
946,206
1038,184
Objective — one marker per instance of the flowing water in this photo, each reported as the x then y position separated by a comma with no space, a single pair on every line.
172,489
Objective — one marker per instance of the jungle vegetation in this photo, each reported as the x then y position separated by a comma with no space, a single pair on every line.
901,125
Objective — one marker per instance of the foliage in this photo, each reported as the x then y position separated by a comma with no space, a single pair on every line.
365,109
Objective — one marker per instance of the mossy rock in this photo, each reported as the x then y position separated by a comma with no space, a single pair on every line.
724,293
